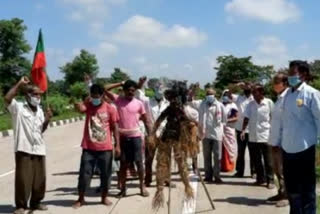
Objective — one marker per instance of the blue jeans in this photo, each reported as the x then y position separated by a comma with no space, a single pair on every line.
210,147
300,179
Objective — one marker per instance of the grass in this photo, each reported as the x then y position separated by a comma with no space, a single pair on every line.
5,119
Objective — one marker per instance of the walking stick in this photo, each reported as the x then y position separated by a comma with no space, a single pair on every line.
169,197
205,189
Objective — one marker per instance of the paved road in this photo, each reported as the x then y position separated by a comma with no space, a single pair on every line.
236,196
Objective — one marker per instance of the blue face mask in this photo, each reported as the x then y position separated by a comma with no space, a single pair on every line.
96,101
225,99
294,80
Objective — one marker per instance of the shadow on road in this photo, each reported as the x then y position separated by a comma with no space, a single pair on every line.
253,202
6,209
66,173
67,203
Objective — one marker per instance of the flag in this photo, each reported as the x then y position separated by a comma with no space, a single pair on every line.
38,71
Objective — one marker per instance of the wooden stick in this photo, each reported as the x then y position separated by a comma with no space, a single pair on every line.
206,189
169,197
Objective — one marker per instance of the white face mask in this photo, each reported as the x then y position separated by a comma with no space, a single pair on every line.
34,101
210,99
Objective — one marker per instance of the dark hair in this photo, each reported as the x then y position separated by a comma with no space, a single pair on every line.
281,77
259,88
30,88
96,89
130,83
303,66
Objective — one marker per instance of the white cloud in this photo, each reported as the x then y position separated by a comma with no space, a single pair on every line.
139,60
107,48
188,67
274,11
93,12
148,32
164,66
271,51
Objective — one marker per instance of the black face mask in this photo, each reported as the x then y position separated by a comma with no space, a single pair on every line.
247,92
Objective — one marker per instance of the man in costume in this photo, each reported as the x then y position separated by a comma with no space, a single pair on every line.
179,135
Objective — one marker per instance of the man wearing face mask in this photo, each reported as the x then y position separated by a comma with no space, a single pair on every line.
242,102
101,122
212,117
29,122
154,107
300,131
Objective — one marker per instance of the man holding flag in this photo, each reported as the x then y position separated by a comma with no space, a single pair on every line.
29,122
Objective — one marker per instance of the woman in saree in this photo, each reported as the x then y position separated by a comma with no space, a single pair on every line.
229,142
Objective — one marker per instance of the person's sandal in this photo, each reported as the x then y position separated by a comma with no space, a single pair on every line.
19,211
122,193
40,207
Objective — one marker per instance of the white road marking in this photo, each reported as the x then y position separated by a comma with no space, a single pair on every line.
189,207
76,146
7,173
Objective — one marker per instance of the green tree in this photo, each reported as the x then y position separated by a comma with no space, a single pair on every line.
58,87
13,48
118,75
85,63
232,70
79,90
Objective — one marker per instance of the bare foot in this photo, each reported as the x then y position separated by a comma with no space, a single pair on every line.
106,202
78,204
144,193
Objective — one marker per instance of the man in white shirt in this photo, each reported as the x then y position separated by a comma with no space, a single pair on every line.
212,116
280,86
29,122
242,101
257,118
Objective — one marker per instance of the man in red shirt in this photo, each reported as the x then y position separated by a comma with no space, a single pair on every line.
101,122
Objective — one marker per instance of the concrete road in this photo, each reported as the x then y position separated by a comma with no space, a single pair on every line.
235,196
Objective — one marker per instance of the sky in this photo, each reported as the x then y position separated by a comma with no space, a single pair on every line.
179,39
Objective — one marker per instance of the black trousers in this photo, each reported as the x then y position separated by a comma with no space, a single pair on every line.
90,158
300,179
264,169
242,145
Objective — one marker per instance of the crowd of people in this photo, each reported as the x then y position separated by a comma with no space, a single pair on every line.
131,128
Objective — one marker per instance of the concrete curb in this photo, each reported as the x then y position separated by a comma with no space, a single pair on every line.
9,133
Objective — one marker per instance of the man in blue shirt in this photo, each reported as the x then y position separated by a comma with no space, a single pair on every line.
299,131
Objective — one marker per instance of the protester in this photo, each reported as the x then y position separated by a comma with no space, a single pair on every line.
257,117
212,116
29,122
242,101
131,111
229,142
101,122
300,131
154,107
280,85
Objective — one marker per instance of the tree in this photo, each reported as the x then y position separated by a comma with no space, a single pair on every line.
13,47
85,63
118,75
79,90
232,70
58,87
